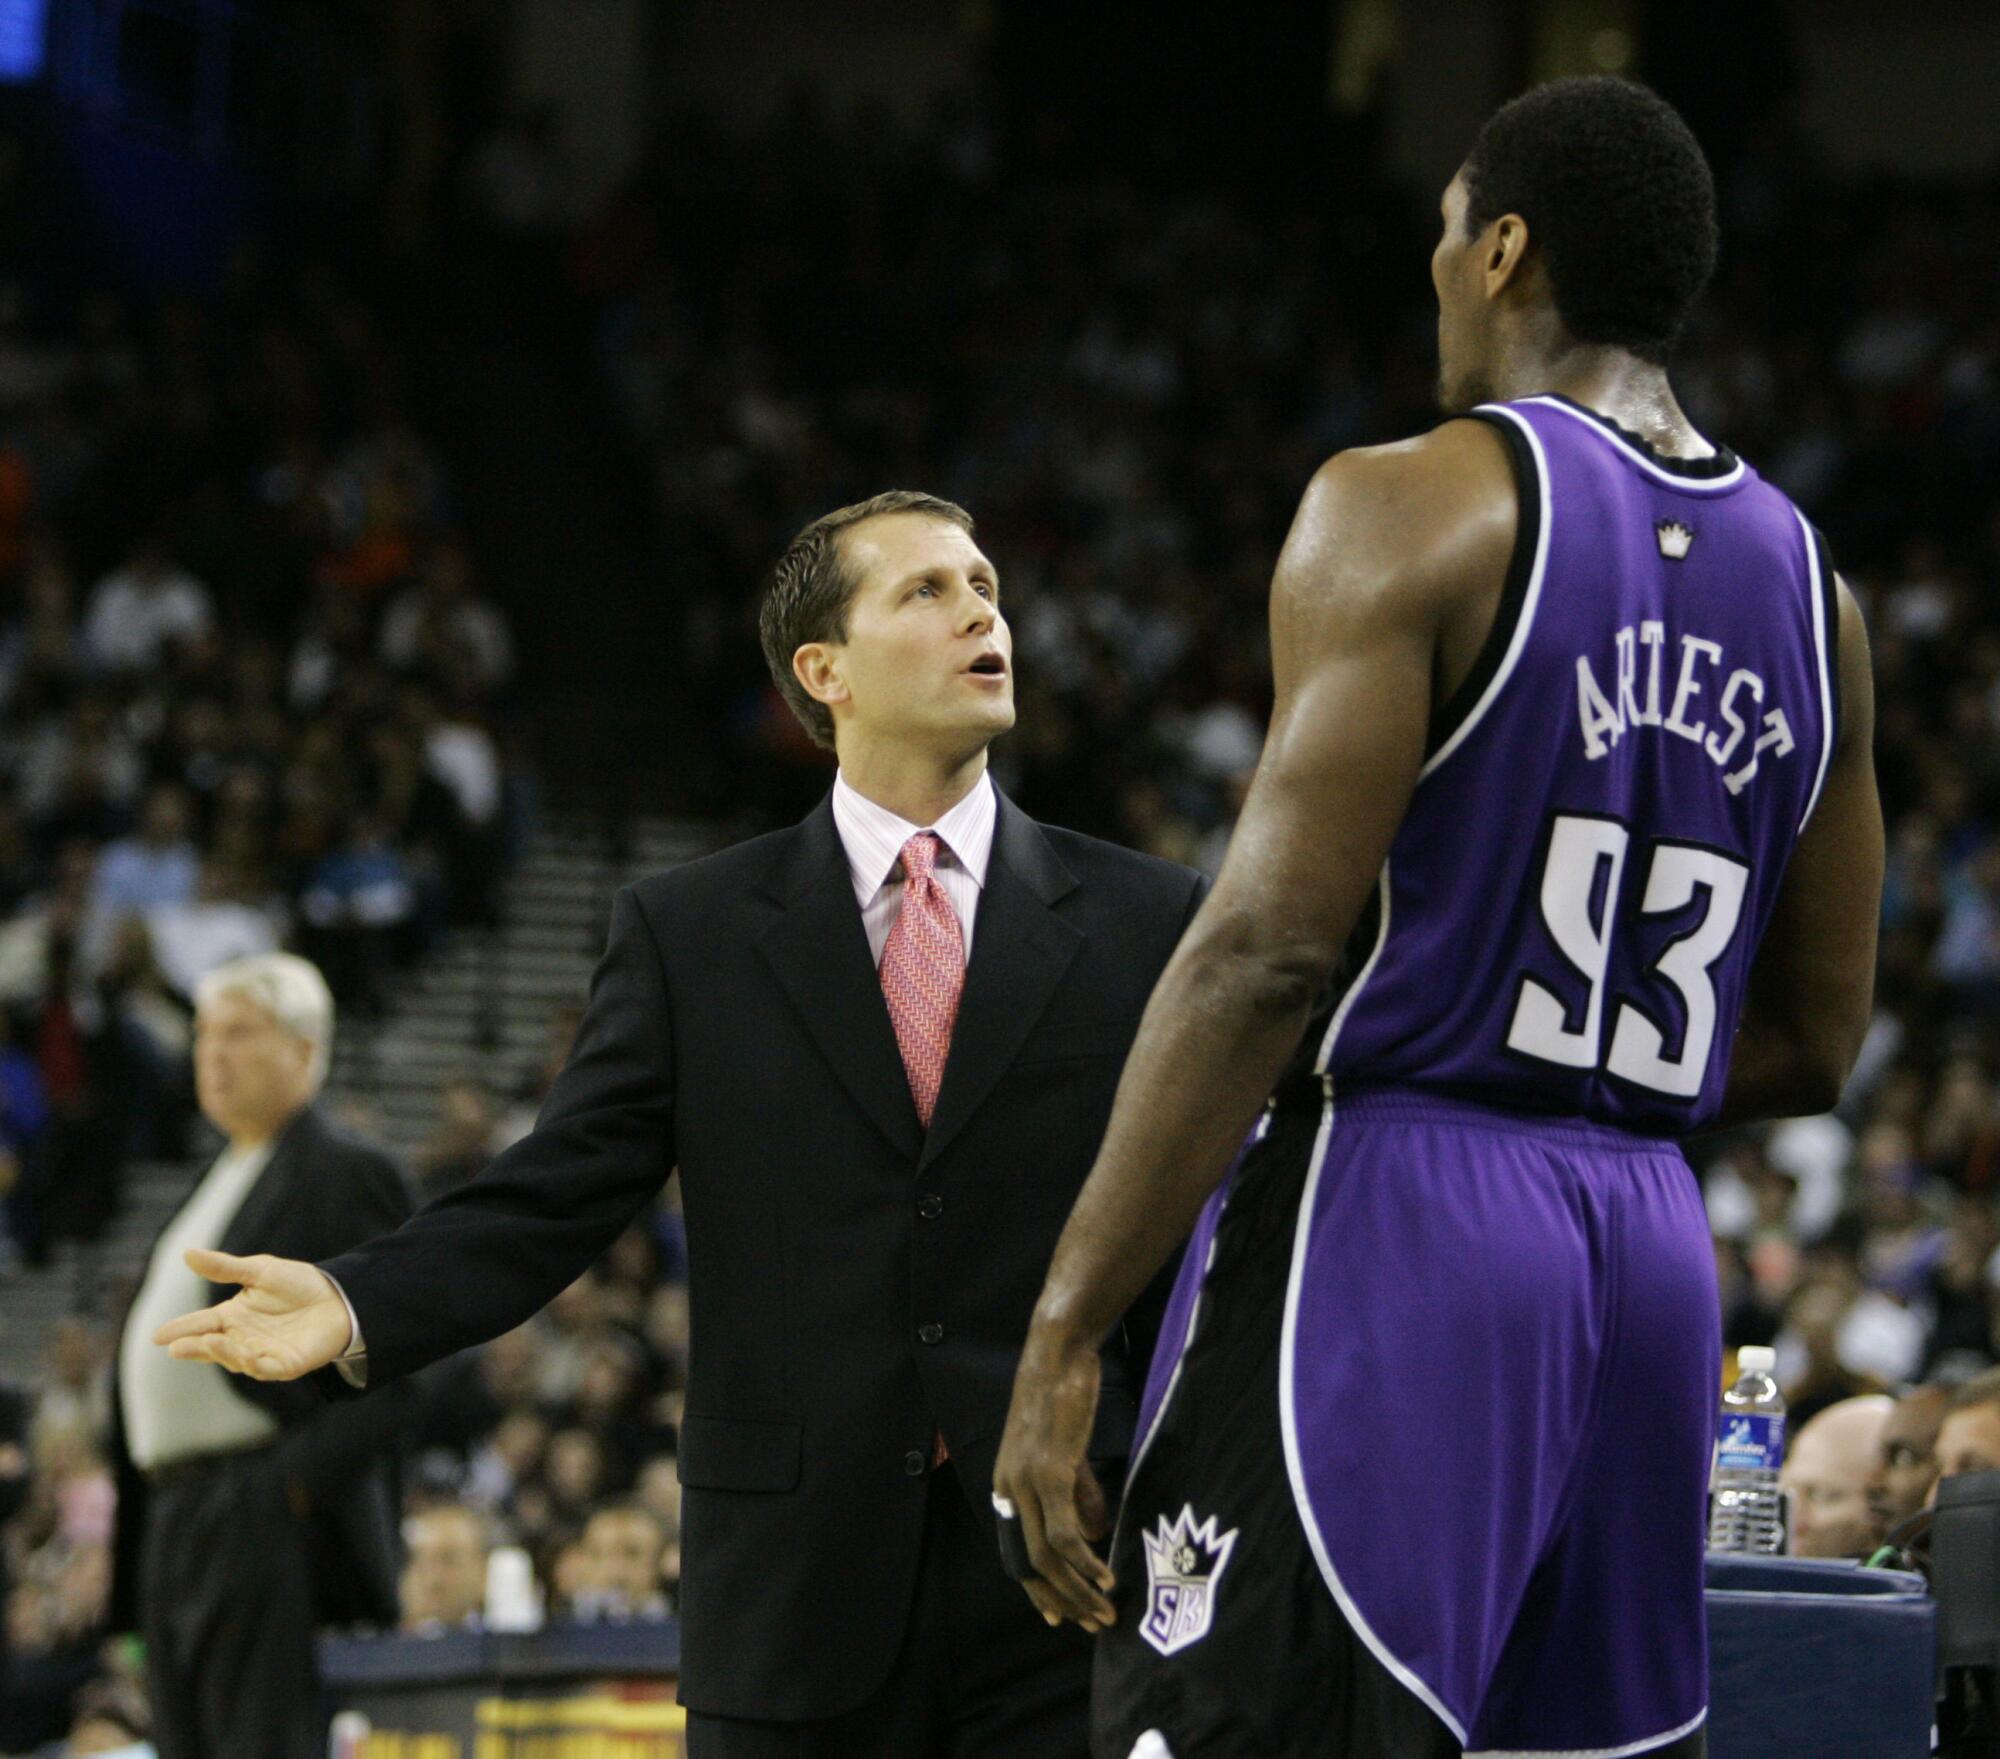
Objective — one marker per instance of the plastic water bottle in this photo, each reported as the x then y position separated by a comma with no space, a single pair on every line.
513,1601
1745,1508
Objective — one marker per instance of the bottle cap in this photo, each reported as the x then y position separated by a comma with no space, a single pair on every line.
1756,1359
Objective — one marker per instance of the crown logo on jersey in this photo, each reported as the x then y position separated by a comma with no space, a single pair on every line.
1184,1564
1675,539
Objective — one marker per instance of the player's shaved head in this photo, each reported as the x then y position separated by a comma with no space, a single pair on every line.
1617,198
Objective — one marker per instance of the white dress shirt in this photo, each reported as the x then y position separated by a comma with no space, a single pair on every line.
873,837
175,1410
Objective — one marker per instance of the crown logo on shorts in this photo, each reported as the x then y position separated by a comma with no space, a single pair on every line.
1674,539
1184,1564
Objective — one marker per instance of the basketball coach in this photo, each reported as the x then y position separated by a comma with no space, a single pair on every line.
250,1514
881,1048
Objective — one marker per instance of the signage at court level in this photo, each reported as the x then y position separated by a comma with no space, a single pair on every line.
469,1722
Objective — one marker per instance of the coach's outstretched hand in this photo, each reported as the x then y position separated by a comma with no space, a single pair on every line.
288,1320
1043,1474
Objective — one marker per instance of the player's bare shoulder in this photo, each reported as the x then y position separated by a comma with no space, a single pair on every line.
1419,527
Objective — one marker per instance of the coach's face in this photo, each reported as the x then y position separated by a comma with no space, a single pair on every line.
928,658
250,1072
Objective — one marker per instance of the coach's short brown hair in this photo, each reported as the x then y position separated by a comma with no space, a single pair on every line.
812,586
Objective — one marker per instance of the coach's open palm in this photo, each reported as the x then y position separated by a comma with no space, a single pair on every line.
287,1320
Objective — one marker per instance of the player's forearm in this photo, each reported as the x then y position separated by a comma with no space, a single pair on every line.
1216,1036
1775,1072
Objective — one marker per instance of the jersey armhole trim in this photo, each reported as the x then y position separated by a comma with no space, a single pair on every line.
1501,650
1829,609
1825,614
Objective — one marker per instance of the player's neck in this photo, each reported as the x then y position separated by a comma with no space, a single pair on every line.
919,787
1616,383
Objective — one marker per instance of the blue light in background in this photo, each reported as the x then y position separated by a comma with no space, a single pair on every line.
21,40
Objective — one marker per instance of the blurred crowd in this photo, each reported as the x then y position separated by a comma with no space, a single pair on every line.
1128,383
250,696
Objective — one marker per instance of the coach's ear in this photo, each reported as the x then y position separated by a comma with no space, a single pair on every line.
816,665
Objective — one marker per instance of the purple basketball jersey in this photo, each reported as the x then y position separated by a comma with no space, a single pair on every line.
1568,915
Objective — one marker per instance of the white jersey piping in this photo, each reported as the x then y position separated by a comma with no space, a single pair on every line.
1529,599
1697,485
1816,610
1648,1745
1333,1026
1294,1464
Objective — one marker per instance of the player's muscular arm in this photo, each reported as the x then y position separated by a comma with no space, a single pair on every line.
1813,984
1387,548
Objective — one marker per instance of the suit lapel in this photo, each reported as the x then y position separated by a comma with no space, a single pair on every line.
818,950
251,1222
1020,949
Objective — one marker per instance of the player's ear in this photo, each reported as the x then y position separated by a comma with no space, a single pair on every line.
816,665
1502,251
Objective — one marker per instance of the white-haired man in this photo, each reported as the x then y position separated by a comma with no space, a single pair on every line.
248,1512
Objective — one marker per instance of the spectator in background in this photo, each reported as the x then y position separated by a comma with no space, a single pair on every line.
356,911
659,1489
463,1140
157,865
218,925
624,1548
1969,1437
80,772
444,1573
461,752
75,1391
132,986
24,1120
1826,1474
35,939
1906,1463
1810,1364
15,1460
573,1477
611,1405
519,1118
112,1722
1958,1289
18,868
507,1461
56,1612
443,629
145,610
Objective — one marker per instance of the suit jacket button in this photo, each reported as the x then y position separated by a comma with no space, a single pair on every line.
931,1333
930,1206
915,1461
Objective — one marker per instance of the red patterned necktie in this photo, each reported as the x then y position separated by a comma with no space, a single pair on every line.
923,973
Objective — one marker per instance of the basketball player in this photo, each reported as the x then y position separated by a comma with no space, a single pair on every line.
1564,844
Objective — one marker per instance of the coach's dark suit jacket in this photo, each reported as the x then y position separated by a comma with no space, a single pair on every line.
855,1282
322,1191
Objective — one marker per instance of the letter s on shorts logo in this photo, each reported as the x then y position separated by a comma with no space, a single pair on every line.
1184,1565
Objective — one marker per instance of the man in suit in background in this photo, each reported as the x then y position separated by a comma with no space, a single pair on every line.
880,1047
251,1512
